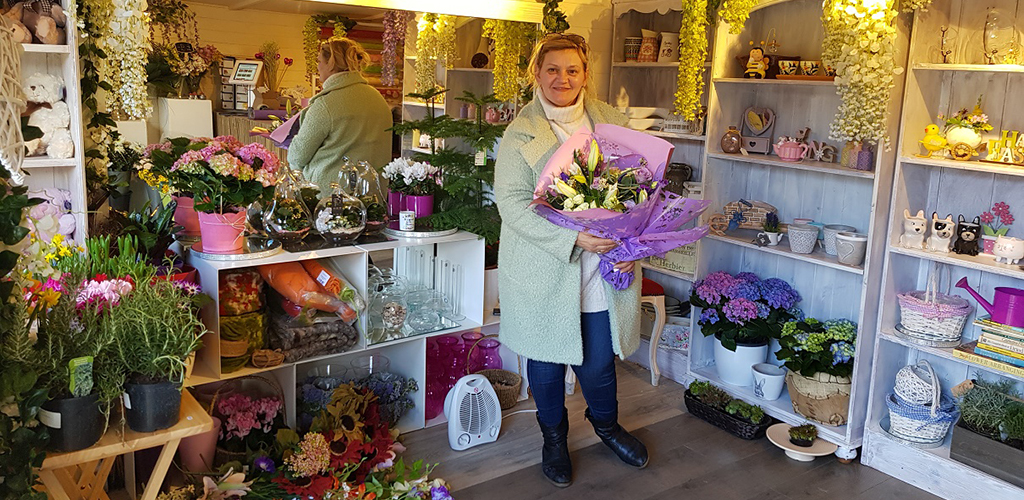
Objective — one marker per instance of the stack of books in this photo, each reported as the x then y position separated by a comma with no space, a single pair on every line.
998,346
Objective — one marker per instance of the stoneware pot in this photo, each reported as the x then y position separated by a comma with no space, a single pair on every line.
198,452
802,238
988,244
831,230
151,407
823,398
422,205
734,366
768,381
851,248
185,215
222,233
74,423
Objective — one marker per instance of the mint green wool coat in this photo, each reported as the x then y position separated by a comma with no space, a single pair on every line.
347,118
538,262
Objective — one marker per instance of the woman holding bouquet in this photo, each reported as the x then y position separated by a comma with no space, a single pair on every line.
347,118
556,308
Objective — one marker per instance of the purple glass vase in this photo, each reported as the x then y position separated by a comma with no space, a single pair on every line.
476,356
396,203
491,355
451,368
422,205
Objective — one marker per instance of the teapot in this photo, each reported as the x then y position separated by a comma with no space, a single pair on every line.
790,150
1007,308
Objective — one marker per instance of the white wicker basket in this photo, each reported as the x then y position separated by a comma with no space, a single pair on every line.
922,424
932,316
914,383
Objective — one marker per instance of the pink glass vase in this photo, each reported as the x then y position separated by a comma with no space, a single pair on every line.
422,205
476,356
491,355
396,203
448,350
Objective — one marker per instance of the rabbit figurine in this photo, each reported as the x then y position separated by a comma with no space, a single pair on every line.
913,230
942,234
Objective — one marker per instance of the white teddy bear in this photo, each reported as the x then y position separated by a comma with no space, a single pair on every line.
54,120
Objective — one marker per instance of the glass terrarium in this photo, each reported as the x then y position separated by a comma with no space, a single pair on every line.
309,191
286,216
363,181
340,218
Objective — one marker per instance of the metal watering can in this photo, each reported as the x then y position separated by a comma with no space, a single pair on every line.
1008,306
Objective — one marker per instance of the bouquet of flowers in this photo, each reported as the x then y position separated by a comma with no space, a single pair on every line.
975,119
249,423
412,177
811,346
609,183
168,68
744,308
223,175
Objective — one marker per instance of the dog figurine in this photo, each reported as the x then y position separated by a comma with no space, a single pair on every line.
942,233
913,230
968,236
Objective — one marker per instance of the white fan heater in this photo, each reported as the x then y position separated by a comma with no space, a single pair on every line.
474,415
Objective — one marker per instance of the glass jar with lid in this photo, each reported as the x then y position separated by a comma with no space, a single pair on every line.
286,216
340,217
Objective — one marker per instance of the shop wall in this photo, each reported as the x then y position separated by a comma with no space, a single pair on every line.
592,19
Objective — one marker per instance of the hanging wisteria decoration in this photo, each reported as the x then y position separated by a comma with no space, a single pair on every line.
395,25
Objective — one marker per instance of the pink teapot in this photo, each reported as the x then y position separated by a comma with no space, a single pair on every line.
1007,307
790,150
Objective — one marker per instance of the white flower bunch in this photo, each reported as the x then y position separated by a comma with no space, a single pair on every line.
125,39
411,177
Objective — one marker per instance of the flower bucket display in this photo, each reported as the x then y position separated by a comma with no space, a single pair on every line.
822,398
185,215
222,233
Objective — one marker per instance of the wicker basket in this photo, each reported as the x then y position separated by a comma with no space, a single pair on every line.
506,384
925,423
754,213
931,316
233,348
732,425
914,383
265,358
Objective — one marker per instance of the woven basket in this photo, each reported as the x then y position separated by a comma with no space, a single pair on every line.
922,423
233,348
732,425
265,358
914,383
932,316
506,384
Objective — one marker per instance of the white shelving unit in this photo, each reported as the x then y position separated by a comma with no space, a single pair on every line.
407,355
825,192
64,173
944,186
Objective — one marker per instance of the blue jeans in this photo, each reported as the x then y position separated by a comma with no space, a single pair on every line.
596,375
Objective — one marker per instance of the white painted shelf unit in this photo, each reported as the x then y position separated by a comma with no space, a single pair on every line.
825,192
944,186
407,355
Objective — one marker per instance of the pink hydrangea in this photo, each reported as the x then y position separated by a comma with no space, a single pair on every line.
711,288
740,311
250,152
226,164
189,161
163,146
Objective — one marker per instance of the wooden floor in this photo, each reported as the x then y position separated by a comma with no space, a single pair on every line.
689,458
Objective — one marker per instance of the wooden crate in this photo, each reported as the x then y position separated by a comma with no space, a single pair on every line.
681,260
987,455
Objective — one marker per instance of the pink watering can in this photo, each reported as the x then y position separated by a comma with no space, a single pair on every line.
1008,308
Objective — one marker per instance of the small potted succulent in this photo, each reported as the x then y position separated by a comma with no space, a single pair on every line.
771,229
803,435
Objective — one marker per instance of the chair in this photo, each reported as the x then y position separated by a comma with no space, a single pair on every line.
658,303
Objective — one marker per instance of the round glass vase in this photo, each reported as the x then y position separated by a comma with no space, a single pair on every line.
340,217
367,187
309,191
286,217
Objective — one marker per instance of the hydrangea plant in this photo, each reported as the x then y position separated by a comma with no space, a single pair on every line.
811,346
744,308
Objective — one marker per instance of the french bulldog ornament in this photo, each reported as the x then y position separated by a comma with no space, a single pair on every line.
942,233
968,236
913,230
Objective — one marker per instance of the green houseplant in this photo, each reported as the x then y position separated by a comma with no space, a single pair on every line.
153,228
803,435
820,358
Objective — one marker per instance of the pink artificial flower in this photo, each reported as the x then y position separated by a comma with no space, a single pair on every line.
288,61
227,165
987,217
163,146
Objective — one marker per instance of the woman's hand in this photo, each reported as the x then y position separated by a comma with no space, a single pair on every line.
625,267
594,244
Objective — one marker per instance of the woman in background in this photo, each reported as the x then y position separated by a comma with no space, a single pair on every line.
347,118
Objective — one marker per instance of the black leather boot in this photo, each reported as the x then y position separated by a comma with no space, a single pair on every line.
625,445
555,455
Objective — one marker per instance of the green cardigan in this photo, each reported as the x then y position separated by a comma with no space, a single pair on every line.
538,262
347,118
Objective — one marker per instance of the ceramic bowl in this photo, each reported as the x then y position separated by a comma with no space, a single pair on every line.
810,68
788,67
644,123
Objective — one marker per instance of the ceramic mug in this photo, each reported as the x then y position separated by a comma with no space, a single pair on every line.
788,67
851,248
768,381
802,238
831,230
773,238
632,48
828,69
810,68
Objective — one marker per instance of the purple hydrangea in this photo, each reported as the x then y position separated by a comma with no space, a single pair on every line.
440,493
740,311
778,293
743,289
748,277
709,317
763,311
711,288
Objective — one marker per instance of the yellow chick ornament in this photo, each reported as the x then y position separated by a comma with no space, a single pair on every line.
932,141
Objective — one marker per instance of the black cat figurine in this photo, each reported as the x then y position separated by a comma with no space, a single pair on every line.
968,236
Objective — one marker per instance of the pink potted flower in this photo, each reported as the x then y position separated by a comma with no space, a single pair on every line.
995,224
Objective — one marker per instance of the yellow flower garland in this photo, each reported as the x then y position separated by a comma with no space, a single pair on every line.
693,50
435,42
735,13
511,41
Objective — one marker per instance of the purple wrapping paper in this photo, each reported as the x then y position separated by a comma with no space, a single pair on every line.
650,228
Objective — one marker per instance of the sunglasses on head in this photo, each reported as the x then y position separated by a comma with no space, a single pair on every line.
578,40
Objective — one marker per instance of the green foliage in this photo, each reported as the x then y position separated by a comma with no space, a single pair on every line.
710,395
751,413
1013,422
154,229
100,258
806,432
554,19
811,346
984,407
99,126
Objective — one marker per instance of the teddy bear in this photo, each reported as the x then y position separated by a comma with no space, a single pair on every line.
42,21
51,115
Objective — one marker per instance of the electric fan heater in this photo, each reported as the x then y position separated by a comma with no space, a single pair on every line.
474,415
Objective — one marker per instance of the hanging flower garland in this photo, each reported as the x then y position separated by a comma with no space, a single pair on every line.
862,42
554,19
395,25
435,42
125,39
172,21
512,42
908,6
311,37
734,12
693,45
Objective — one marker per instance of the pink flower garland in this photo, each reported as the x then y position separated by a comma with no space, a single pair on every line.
394,39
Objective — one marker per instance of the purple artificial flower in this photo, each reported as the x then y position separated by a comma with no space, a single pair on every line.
265,464
709,317
440,493
740,311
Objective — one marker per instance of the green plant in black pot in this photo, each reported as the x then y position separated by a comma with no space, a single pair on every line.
983,408
155,329
751,413
1013,424
153,228
803,435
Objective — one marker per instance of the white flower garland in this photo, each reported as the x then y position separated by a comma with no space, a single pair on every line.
860,40
125,39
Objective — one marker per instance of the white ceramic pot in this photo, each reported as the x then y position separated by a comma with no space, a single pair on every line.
669,50
965,135
802,238
851,248
734,366
831,230
768,381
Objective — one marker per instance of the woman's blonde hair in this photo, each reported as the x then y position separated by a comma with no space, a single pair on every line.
343,54
554,42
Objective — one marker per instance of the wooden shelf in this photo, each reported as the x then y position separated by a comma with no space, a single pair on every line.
40,48
976,68
417,104
889,335
667,272
980,262
781,408
471,70
745,239
807,165
772,81
47,162
973,166
623,64
677,135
